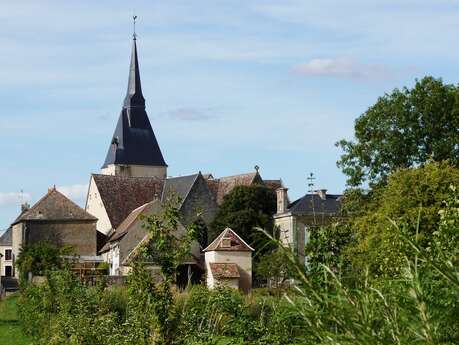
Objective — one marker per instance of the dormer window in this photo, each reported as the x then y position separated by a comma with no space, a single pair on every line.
226,243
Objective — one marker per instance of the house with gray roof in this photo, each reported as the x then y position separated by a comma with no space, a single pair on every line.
295,220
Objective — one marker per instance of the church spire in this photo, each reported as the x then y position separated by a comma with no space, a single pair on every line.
134,96
134,143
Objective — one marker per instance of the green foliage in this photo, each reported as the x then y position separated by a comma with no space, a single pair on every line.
62,311
10,329
412,198
39,258
243,209
417,306
325,247
167,245
275,267
403,129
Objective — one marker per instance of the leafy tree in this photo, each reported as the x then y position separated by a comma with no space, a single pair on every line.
40,257
326,246
403,129
413,199
152,303
243,209
276,267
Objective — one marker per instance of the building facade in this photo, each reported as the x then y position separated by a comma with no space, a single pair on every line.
57,220
297,219
6,250
228,261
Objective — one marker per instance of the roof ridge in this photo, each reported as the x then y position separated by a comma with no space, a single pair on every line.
222,235
191,187
35,205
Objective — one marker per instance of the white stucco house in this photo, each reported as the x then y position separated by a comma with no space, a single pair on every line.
228,261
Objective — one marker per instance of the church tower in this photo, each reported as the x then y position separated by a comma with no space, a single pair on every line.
134,150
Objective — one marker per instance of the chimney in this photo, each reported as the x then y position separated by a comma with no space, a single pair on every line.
322,193
24,206
282,200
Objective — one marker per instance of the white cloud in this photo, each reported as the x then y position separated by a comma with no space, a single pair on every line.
76,192
343,68
192,114
13,198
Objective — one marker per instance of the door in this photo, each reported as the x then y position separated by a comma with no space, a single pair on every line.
8,271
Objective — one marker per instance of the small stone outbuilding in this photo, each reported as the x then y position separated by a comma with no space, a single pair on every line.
57,220
228,262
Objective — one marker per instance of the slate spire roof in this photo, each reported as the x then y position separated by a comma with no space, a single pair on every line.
134,141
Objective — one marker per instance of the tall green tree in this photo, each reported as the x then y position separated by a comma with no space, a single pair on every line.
403,129
413,199
243,209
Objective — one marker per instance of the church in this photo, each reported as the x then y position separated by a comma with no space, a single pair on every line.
133,182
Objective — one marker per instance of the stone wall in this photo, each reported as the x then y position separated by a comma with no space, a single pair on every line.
80,235
199,200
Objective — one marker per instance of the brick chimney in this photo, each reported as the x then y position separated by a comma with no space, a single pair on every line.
282,199
322,193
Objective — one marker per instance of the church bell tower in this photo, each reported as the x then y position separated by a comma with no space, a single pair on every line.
133,149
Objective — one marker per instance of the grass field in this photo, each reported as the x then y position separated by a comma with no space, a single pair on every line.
10,331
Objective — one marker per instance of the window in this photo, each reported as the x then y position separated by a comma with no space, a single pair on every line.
7,254
226,243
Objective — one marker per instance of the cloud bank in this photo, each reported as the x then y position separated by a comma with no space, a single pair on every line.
13,198
343,68
192,114
76,192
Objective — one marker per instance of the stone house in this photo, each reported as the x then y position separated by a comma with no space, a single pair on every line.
297,219
57,220
6,250
196,201
228,261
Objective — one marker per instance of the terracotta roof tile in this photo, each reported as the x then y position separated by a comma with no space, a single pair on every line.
224,270
224,185
54,206
121,195
273,184
236,244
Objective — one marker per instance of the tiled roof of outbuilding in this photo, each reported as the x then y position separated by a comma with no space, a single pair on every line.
54,206
237,243
7,238
121,195
224,270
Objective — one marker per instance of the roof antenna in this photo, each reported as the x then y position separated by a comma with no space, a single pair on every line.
134,18
311,179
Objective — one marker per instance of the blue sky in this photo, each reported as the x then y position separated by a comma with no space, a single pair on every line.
228,84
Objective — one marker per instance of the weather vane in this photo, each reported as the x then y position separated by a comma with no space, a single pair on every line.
134,17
